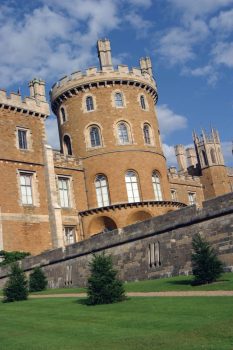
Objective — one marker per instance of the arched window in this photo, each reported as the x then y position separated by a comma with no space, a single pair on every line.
142,102
95,136
67,145
213,157
131,182
204,158
118,99
102,194
123,133
147,133
157,186
89,103
63,115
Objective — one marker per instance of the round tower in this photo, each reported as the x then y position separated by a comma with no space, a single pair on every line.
107,119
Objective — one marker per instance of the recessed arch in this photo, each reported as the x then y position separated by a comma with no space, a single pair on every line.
100,224
67,145
138,216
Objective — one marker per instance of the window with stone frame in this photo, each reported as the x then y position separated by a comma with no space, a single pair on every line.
64,191
131,181
123,133
63,115
143,102
95,139
118,99
69,234
26,187
102,192
157,186
174,195
22,135
192,198
147,134
89,103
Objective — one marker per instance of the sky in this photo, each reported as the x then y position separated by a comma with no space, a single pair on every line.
190,44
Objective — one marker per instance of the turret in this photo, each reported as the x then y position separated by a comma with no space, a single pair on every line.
37,89
104,54
181,157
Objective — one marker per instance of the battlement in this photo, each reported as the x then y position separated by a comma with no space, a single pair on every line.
34,105
212,137
93,77
173,174
61,160
79,81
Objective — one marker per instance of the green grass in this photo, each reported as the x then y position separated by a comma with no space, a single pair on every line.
137,324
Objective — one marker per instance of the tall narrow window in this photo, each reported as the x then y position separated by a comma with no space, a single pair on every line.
102,194
204,158
142,102
95,136
67,145
213,157
63,184
118,100
192,198
132,186
157,186
63,115
123,133
26,188
69,234
89,103
174,195
22,139
147,134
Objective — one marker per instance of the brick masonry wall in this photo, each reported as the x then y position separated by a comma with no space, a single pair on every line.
168,237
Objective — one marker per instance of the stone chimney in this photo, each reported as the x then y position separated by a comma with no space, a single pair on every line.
104,54
181,157
191,156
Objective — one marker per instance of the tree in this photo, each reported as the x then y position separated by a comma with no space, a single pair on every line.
206,266
37,280
103,285
16,287
10,257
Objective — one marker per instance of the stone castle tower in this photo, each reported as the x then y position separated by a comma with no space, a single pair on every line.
107,120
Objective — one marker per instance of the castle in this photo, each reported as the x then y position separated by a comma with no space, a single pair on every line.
111,170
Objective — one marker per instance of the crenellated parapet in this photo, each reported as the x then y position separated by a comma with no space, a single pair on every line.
173,174
65,161
34,105
79,82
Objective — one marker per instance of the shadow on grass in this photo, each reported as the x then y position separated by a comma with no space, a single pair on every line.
181,282
85,302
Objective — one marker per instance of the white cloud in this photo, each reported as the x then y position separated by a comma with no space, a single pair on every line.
169,121
207,71
143,3
223,54
52,132
223,22
199,7
227,152
141,25
169,153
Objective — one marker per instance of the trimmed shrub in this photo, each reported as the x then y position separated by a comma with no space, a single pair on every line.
37,280
103,285
16,287
206,266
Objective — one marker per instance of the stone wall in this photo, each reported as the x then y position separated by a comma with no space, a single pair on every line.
154,248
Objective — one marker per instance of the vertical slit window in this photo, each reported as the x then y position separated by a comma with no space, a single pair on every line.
67,144
146,132
63,115
142,102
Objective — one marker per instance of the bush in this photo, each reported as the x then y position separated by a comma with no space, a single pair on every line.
37,280
206,266
16,286
11,257
103,285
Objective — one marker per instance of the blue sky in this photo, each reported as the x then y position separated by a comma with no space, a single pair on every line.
190,44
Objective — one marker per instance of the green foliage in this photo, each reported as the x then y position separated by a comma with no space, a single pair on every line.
37,280
16,286
206,266
103,285
11,257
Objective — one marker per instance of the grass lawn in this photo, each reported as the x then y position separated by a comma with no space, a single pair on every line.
137,324
179,283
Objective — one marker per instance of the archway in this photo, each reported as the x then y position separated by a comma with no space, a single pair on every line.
100,224
137,217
